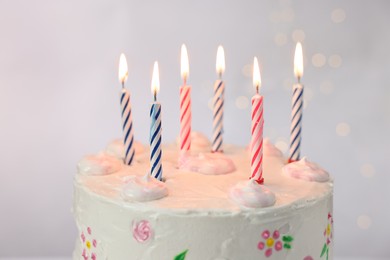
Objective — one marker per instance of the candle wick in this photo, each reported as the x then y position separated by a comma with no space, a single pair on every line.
257,88
155,96
220,76
123,84
299,79
184,80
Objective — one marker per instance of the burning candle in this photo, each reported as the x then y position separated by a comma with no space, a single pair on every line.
297,106
185,104
155,128
257,128
218,102
127,120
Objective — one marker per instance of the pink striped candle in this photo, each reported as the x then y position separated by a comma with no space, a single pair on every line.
257,128
185,104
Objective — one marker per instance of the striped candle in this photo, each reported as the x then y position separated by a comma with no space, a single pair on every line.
127,124
127,119
155,141
297,107
185,118
257,128
185,104
155,129
218,103
219,89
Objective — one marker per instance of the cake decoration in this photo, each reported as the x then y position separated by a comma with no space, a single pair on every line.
206,163
306,170
218,103
142,231
145,188
155,129
181,256
100,164
90,246
328,234
185,104
127,118
250,194
257,128
273,241
297,106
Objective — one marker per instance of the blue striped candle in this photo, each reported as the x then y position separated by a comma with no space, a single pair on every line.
127,119
296,123
127,123
297,107
155,129
155,141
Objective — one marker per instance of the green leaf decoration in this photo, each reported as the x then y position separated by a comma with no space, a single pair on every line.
287,246
323,250
327,253
181,256
287,238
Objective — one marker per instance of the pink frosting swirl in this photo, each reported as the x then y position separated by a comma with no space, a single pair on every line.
142,231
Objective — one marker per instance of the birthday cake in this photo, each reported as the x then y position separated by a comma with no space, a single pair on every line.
197,212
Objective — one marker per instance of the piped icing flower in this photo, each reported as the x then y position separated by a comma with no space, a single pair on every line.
117,149
273,242
142,231
199,142
100,164
207,163
250,194
328,235
306,170
90,249
145,188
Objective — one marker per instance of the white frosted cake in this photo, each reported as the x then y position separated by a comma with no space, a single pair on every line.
196,216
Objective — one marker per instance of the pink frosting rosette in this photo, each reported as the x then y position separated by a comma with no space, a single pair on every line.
142,231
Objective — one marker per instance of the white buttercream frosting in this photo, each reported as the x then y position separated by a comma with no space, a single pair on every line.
306,170
143,188
250,194
206,163
100,164
117,149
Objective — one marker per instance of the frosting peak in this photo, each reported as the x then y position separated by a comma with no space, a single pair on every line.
100,164
250,194
143,188
306,170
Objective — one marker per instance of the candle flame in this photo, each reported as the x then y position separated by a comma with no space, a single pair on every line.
298,61
155,79
185,67
256,74
123,71
220,64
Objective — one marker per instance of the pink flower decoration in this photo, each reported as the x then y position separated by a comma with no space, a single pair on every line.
276,234
142,231
83,237
265,234
93,256
308,258
268,252
278,246
260,245
89,230
94,243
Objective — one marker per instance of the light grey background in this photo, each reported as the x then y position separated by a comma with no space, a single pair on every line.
59,98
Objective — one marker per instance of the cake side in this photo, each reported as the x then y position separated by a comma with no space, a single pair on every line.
198,219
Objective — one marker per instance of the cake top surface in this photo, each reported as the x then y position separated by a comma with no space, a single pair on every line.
201,193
